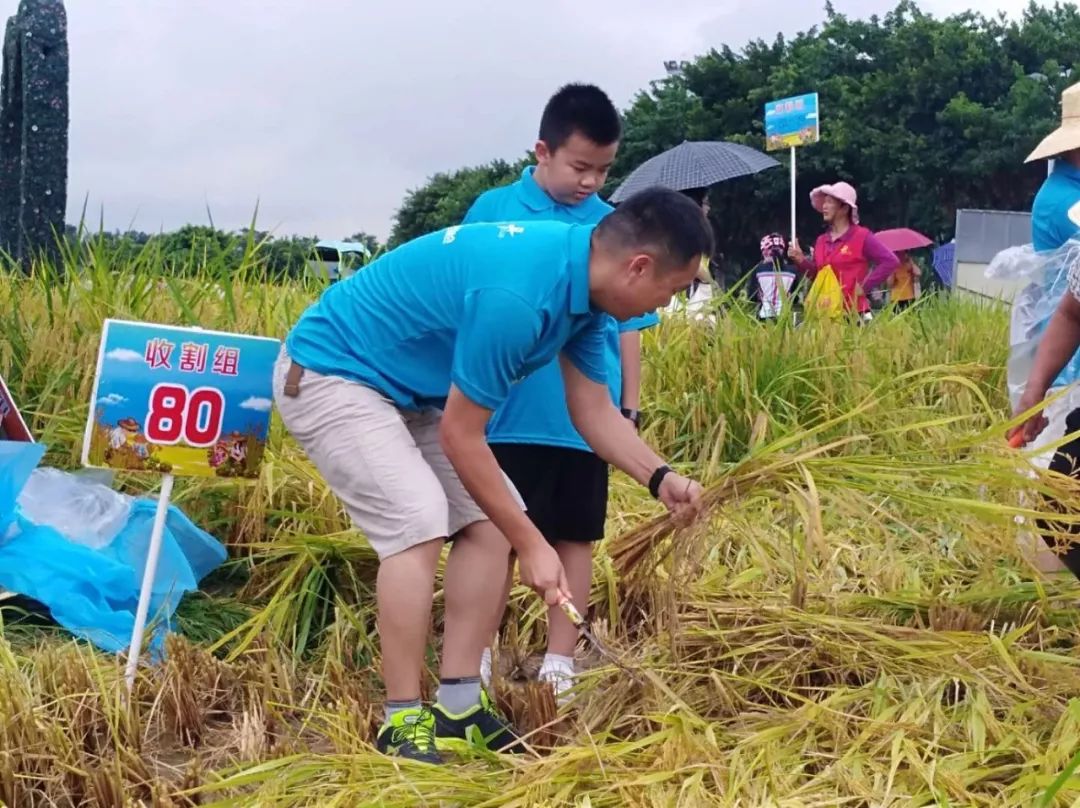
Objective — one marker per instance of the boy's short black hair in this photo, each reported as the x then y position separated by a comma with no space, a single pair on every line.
665,221
582,108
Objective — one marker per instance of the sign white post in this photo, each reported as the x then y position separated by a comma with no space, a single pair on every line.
792,194
152,556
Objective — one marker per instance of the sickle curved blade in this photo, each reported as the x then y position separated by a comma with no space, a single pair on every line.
574,616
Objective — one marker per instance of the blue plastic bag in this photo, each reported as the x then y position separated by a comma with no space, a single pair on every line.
1047,276
18,460
94,592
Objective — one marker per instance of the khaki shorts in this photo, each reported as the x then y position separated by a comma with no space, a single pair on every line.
385,464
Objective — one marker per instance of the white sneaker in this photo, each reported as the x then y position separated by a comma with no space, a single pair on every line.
560,675
485,667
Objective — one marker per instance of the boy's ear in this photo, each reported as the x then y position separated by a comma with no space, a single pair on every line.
543,153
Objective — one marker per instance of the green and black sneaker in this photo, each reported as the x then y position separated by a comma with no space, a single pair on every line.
482,726
409,734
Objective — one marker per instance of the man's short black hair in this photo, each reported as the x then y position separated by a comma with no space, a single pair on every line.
582,108
666,221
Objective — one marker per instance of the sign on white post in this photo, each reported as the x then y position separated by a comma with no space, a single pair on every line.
177,402
790,123
793,205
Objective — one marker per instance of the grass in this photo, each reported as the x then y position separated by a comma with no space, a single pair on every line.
851,624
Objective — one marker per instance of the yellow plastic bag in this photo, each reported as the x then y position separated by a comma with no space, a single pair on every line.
825,296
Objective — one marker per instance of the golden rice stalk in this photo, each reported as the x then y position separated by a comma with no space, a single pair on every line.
962,475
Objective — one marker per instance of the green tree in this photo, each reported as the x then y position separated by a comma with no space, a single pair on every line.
659,119
922,115
199,245
367,240
287,257
446,197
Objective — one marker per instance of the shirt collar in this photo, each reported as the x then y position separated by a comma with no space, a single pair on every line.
847,235
580,238
1067,170
538,200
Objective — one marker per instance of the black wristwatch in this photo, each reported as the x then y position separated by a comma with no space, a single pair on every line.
657,478
633,415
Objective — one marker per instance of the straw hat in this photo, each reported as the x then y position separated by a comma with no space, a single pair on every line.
841,191
1067,136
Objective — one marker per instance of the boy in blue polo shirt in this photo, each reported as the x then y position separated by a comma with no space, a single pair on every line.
388,382
564,484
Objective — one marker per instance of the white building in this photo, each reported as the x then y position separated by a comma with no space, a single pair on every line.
980,235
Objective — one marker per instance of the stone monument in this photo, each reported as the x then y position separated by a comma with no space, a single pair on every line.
34,131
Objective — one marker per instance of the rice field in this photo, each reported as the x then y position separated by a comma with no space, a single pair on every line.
852,623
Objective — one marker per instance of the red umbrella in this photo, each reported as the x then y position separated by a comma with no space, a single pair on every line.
902,239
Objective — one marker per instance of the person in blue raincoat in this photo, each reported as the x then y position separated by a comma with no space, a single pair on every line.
1055,222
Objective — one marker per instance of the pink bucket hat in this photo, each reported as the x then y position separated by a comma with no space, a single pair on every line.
842,191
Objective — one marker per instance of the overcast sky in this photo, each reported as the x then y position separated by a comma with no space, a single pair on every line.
325,112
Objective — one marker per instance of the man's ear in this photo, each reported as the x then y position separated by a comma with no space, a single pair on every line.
640,264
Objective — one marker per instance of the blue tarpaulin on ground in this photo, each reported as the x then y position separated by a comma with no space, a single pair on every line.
94,593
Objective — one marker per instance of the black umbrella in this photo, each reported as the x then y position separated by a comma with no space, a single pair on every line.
694,164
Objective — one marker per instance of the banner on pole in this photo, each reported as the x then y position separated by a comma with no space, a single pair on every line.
12,425
791,122
180,401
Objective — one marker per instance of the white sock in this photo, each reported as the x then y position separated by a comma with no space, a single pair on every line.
557,662
485,666
558,670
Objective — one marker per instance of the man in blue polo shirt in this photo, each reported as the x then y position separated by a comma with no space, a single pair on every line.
388,382
564,484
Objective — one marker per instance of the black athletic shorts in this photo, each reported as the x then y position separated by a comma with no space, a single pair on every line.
1067,461
565,490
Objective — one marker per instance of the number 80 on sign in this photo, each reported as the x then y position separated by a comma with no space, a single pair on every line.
175,413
